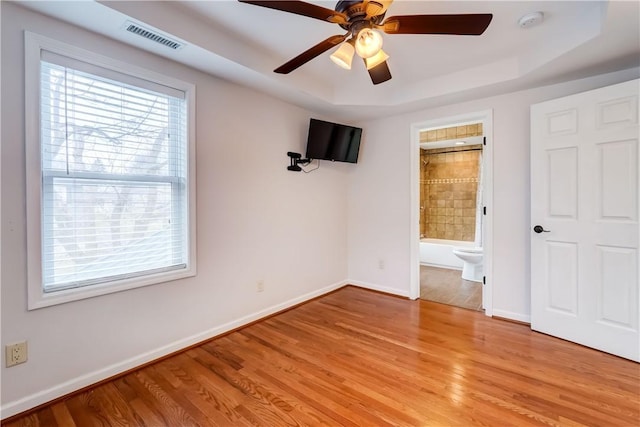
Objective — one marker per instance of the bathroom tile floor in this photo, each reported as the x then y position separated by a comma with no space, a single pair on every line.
447,287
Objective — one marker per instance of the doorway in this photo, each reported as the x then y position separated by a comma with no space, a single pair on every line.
451,183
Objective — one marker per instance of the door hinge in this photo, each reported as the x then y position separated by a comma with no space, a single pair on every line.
484,140
484,280
484,210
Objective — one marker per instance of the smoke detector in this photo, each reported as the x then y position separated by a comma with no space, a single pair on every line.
531,19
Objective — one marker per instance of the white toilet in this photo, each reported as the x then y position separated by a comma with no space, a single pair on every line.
472,263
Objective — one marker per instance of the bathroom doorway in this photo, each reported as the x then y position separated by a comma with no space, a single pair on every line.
452,194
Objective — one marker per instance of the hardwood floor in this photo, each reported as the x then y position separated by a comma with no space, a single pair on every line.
447,286
360,358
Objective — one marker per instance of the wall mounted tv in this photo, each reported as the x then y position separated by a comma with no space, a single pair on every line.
332,141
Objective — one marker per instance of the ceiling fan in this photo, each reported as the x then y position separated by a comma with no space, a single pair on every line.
363,20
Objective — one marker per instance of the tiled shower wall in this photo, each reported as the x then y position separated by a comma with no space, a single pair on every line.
455,132
448,188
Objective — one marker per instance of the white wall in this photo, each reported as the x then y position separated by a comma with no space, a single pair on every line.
255,221
380,194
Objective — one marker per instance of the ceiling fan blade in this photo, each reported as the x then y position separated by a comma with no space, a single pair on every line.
380,73
302,8
468,25
309,54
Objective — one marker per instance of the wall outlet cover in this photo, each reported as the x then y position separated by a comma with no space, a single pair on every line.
16,353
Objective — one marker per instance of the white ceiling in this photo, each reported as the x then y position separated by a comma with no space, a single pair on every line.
244,43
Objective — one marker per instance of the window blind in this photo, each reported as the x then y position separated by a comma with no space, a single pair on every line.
114,176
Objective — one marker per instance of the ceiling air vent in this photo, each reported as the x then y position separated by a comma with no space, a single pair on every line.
151,35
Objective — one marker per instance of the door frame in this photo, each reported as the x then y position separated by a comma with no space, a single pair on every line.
486,117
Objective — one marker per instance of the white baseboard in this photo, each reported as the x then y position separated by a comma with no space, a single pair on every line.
374,287
525,318
12,408
450,267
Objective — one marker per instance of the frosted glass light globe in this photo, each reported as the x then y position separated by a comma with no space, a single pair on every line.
376,59
343,56
368,43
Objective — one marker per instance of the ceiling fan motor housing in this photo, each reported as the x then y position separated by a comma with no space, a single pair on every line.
357,14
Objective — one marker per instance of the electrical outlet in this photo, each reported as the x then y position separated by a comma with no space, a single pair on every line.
16,353
260,286
381,264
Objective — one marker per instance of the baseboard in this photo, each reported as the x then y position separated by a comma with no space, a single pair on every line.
378,288
518,317
12,408
450,267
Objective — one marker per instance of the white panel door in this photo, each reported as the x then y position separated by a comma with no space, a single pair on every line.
584,214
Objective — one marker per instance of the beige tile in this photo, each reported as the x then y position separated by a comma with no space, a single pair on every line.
468,237
471,130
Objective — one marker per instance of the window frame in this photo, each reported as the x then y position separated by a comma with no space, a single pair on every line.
37,297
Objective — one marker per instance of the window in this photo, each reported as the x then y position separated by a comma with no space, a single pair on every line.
114,162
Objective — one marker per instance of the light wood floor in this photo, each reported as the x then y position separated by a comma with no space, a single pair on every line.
360,358
447,286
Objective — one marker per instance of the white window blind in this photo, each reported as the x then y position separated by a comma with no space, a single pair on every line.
114,157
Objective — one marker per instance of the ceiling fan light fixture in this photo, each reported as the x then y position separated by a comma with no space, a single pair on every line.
343,55
364,21
376,59
368,42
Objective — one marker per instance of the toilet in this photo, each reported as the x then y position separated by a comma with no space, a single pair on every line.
472,263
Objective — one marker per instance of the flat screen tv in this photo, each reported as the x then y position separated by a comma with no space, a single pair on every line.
332,141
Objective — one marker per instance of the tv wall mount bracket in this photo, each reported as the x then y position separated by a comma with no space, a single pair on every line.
296,159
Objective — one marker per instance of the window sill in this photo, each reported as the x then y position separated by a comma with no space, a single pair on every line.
39,299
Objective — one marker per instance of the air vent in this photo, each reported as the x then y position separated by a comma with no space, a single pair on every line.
151,35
